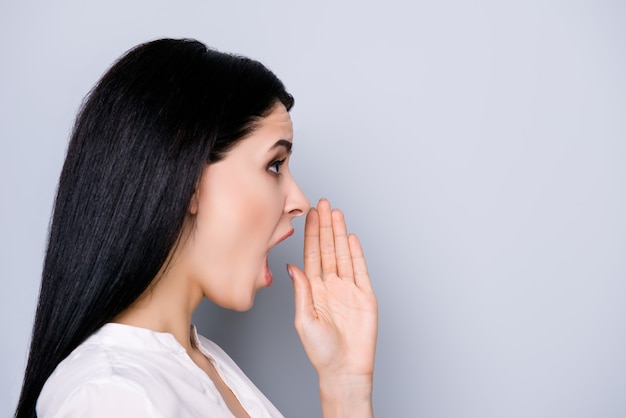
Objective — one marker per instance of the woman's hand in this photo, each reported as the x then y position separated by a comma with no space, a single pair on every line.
336,312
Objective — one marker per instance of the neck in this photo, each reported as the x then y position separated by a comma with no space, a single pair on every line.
165,307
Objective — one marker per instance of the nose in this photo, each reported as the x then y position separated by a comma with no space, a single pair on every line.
296,203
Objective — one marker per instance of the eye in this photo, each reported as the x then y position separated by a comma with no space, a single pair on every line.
274,166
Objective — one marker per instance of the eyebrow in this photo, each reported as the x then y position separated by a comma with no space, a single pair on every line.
282,143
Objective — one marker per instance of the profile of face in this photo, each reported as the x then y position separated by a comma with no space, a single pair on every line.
243,206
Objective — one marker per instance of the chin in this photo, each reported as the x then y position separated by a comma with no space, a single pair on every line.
244,307
240,297
241,304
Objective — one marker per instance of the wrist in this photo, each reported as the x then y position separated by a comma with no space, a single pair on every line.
343,383
346,395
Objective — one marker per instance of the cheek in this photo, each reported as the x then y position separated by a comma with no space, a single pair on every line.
238,217
258,217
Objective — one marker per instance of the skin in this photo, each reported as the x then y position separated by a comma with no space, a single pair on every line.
336,313
243,206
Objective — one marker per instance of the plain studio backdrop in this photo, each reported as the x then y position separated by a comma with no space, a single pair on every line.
477,148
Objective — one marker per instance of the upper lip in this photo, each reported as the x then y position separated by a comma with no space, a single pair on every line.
284,237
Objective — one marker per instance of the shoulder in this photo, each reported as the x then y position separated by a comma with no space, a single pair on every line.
96,381
104,397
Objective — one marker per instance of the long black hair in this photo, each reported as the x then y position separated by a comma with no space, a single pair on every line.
139,145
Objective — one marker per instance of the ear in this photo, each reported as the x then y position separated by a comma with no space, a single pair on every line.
195,198
193,204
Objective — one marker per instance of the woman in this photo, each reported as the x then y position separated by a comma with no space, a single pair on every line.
175,187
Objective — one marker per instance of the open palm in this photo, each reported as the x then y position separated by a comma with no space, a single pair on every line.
336,309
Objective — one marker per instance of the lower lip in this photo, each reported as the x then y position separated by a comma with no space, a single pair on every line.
268,274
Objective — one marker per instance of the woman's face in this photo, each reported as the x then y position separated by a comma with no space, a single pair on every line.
243,207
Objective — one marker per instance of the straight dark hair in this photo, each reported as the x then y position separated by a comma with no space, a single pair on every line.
138,148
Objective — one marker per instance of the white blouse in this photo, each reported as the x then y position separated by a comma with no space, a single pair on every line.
126,371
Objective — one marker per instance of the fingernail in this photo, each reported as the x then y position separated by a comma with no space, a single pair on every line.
289,272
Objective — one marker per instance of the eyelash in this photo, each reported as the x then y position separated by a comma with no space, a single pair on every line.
276,164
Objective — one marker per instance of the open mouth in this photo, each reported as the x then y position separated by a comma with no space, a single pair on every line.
268,273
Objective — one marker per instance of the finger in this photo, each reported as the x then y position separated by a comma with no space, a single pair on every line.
342,250
312,260
361,276
303,296
327,242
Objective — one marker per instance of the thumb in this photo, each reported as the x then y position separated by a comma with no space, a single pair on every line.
302,294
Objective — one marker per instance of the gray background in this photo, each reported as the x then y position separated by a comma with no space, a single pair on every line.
478,149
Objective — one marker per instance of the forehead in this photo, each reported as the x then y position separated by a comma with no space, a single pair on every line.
275,126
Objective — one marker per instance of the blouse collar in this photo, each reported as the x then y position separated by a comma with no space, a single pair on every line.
129,336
